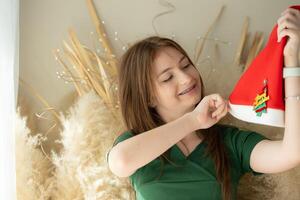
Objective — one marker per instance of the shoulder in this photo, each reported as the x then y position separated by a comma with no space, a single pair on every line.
123,136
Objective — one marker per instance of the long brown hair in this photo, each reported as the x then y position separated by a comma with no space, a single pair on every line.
136,93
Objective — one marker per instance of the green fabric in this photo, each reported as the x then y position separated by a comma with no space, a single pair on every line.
195,177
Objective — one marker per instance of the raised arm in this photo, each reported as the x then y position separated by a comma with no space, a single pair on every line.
278,156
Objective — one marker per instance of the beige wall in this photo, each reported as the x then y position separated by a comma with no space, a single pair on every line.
44,25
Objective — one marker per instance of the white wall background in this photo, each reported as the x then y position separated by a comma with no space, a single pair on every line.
9,61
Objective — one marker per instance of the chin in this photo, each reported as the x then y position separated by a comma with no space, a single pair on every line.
197,99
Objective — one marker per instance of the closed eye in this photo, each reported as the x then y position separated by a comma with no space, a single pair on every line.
186,66
170,77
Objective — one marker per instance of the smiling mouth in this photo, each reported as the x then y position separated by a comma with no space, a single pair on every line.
187,90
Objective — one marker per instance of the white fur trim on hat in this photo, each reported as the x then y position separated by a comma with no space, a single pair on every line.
273,117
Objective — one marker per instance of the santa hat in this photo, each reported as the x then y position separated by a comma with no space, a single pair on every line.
258,97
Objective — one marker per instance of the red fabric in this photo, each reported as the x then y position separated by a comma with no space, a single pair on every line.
267,65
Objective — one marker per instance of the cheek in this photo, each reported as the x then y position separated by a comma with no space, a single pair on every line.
195,73
166,93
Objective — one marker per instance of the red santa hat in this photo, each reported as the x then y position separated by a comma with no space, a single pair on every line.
258,97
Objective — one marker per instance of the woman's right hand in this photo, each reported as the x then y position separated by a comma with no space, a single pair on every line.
209,111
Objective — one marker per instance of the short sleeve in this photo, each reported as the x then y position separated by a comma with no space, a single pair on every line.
119,139
242,143
122,137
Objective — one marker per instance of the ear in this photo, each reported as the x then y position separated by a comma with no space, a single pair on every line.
153,105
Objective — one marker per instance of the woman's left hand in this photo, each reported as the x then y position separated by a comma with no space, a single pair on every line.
289,25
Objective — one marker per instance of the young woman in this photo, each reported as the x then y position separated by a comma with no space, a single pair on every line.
174,148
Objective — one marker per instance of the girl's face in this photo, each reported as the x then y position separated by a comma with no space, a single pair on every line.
177,84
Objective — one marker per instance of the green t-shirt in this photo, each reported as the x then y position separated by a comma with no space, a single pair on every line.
195,177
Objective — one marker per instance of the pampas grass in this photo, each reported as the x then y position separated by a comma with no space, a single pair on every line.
33,169
81,168
288,185
278,186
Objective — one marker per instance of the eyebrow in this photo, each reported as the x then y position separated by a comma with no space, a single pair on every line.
167,69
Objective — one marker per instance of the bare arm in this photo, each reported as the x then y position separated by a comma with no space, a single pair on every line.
127,156
131,154
279,156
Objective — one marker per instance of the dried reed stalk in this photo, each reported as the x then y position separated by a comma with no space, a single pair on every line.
242,43
102,35
255,48
200,45
39,97
91,70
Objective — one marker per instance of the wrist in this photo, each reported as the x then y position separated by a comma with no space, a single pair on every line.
291,61
192,122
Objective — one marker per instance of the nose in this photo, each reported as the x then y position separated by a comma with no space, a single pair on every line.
184,78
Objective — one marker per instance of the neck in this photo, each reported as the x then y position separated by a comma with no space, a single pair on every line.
192,137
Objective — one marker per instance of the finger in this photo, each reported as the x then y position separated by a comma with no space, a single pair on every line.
216,97
286,25
219,110
220,103
214,100
223,113
286,17
225,104
287,32
287,22
292,11
212,103
219,100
